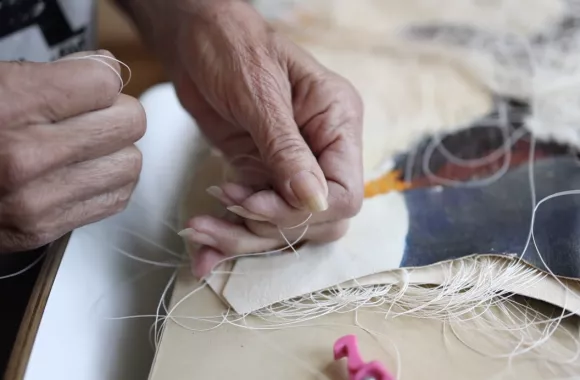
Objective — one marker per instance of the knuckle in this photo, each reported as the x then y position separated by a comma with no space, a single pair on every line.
117,201
19,241
347,92
261,229
108,72
12,242
140,120
121,204
351,111
39,238
285,146
134,116
23,210
133,161
29,225
123,197
347,108
356,100
353,206
199,223
108,86
14,166
105,52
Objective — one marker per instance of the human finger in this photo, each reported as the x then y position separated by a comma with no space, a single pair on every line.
30,152
97,208
296,174
232,195
319,233
204,260
330,112
268,206
37,93
254,237
218,193
227,237
53,226
71,184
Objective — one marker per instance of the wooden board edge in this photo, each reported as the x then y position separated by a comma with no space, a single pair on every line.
28,330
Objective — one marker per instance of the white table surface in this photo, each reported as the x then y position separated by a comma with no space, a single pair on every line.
77,338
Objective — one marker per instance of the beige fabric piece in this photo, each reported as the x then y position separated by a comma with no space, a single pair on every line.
367,248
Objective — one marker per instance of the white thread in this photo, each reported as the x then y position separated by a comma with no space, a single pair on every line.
496,154
258,254
95,57
508,142
289,245
149,241
26,268
140,259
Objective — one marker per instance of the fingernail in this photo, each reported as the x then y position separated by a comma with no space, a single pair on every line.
308,190
218,193
185,232
239,210
197,237
215,191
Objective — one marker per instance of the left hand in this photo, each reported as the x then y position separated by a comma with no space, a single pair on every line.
253,92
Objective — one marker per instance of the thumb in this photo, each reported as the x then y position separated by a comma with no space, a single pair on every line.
269,118
238,54
286,155
297,175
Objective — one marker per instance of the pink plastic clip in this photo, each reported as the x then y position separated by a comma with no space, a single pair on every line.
347,347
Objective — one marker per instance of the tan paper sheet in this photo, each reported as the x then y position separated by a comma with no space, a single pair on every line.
427,350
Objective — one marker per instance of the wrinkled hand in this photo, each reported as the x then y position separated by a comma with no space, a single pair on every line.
66,148
253,92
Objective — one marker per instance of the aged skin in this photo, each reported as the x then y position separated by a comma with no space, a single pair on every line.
254,92
66,135
66,148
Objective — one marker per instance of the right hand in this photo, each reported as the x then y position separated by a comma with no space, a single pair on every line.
67,157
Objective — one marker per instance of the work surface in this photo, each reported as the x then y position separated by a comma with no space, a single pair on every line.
413,348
